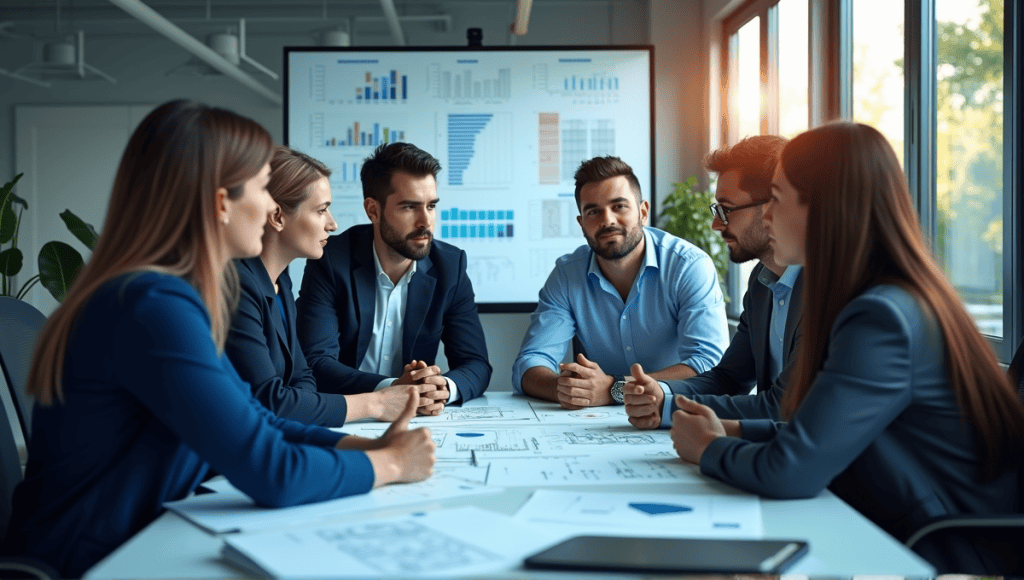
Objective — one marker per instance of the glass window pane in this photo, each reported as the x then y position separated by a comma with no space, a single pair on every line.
746,99
878,67
969,154
793,65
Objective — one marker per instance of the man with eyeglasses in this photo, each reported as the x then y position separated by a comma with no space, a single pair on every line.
761,351
631,295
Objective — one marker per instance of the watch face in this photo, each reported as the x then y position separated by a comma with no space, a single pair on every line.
617,391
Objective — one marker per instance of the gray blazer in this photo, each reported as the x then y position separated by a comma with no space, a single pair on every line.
880,427
724,388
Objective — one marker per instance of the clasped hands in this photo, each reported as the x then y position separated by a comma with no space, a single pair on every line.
430,384
583,384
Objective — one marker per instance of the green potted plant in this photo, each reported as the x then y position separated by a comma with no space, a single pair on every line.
686,214
58,263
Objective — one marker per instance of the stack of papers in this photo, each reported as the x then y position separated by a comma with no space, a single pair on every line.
441,543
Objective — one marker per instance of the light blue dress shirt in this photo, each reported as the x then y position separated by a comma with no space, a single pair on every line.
674,312
782,288
384,353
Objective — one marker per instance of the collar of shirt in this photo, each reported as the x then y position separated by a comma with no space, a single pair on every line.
788,278
650,261
384,280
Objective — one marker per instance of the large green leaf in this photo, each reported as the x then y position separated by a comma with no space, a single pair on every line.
59,265
8,219
11,261
81,230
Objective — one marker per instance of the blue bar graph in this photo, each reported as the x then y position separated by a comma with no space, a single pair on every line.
462,132
483,224
593,83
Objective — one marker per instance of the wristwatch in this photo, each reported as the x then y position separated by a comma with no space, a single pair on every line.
617,395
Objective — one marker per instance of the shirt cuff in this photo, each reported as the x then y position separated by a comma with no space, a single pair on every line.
453,391
384,384
666,406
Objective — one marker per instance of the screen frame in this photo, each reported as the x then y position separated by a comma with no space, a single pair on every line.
651,196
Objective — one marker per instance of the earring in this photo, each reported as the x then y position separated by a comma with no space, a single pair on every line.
225,220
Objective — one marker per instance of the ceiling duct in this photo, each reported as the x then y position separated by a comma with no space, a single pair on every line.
165,27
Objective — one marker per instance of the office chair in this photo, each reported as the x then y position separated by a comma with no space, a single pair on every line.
981,545
20,324
23,326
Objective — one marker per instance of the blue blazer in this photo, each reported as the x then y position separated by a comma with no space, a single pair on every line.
149,405
880,427
724,388
267,355
336,306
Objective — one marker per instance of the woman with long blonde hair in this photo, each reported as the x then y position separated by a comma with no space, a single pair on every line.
135,398
897,403
262,343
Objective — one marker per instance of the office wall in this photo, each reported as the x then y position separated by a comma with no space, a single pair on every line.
139,59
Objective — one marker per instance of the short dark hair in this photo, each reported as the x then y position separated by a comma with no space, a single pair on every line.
389,159
601,168
755,158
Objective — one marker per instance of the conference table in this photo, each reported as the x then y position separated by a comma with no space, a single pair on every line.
527,451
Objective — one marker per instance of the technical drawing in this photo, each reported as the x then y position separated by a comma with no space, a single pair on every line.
404,547
608,438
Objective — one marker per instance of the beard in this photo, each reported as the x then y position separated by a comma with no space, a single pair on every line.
403,244
615,250
752,243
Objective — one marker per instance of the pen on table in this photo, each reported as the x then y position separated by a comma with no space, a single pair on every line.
472,457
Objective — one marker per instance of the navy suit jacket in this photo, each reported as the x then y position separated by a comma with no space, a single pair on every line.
880,427
745,362
336,306
267,354
149,405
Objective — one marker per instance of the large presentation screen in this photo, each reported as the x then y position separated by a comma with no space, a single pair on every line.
510,126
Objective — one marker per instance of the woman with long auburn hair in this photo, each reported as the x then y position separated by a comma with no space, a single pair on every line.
262,342
135,398
897,403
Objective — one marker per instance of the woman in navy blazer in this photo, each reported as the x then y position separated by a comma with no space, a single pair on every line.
134,397
262,343
896,402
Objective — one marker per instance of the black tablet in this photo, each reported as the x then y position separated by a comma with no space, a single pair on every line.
622,554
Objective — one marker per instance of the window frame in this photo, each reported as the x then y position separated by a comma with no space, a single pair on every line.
830,96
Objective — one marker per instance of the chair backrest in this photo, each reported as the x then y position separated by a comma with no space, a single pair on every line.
10,460
20,323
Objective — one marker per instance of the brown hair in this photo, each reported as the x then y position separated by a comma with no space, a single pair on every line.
601,168
755,158
388,159
862,230
291,174
162,216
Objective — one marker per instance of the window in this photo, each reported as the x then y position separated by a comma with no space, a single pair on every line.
794,114
877,56
930,75
969,155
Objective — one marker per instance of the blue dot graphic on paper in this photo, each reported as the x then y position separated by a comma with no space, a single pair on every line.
469,434
658,509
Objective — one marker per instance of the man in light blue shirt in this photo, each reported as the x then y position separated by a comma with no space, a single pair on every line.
631,295
760,352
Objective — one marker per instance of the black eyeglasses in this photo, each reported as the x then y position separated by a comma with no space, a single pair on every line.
722,213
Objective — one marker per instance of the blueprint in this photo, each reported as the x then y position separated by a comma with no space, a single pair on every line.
441,543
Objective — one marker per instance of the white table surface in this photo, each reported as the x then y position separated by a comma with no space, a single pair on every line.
842,542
